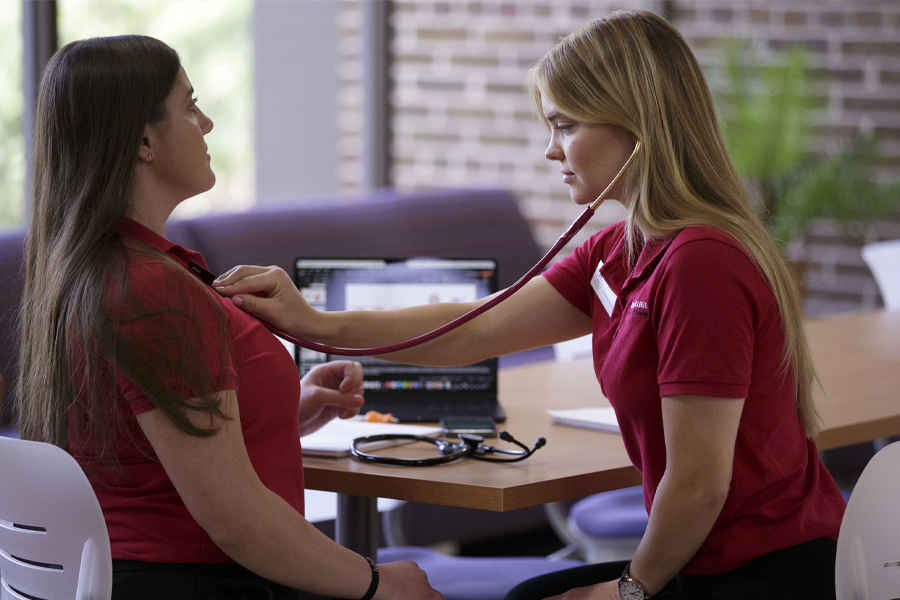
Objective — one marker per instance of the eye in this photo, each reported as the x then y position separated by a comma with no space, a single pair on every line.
194,101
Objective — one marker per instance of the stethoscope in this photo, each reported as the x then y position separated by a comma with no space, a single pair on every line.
469,446
560,243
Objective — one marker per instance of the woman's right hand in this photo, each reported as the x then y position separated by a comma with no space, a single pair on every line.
269,293
404,581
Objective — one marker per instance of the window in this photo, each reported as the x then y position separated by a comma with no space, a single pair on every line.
12,144
214,40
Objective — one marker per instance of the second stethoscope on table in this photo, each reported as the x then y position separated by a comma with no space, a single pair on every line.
470,445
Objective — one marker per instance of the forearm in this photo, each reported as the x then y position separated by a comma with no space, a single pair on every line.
273,540
683,514
367,329
534,316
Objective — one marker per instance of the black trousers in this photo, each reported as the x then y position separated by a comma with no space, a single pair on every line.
803,572
136,580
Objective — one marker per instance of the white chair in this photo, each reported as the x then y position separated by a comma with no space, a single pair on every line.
883,259
868,549
53,538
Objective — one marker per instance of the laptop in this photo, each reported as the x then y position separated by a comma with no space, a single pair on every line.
411,393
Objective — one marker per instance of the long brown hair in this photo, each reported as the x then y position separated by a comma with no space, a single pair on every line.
79,309
634,70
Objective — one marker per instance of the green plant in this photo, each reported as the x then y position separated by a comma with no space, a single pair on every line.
765,111
841,187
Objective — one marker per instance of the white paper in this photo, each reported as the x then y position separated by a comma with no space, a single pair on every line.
335,438
598,418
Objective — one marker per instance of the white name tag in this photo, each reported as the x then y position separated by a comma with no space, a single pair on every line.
603,291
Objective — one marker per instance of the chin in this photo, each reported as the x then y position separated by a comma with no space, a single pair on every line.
581,199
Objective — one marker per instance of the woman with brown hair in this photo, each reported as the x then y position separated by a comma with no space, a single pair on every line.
184,411
698,341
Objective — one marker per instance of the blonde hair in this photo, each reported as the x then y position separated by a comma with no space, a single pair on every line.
634,70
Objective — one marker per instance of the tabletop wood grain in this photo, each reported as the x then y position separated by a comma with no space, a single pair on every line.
857,356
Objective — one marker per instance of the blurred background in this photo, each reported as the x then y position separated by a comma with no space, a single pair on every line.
808,93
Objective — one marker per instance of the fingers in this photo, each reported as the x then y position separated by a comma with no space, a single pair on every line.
353,378
343,375
347,413
404,581
263,281
237,273
345,403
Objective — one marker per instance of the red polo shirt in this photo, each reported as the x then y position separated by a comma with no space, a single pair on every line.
696,316
146,517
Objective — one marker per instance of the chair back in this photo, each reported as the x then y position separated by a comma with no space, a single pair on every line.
868,550
883,259
53,538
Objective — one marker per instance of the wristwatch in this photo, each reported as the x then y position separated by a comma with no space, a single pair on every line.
630,588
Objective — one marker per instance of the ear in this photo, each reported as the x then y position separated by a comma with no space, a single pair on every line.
148,142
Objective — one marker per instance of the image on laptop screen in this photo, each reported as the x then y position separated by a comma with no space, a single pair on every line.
410,393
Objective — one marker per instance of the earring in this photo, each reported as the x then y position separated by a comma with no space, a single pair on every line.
150,156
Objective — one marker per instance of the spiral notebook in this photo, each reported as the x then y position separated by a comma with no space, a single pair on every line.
598,418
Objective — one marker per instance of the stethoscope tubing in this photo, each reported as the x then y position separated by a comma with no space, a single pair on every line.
468,446
310,345
564,239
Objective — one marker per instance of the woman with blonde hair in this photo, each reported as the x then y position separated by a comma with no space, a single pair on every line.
697,336
184,411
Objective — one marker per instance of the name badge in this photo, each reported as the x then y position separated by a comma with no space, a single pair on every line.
604,292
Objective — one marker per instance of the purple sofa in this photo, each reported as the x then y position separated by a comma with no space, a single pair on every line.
465,223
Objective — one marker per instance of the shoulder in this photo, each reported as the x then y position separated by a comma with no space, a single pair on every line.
708,237
702,246
148,278
707,258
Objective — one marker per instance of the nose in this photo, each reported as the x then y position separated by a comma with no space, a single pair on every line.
554,151
207,124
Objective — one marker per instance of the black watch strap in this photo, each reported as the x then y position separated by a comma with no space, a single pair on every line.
373,587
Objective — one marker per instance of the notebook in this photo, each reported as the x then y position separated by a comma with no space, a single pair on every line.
411,393
598,418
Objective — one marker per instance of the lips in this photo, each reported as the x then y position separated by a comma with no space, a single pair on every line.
568,177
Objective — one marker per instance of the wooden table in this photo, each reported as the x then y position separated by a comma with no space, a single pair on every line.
857,356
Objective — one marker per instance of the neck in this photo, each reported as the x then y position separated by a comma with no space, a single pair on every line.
149,205
154,223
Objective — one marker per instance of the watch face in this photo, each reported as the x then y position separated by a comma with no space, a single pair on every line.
630,590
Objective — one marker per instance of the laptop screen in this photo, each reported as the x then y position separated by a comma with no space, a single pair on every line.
408,391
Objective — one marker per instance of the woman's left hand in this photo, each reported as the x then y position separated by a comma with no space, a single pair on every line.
327,391
608,590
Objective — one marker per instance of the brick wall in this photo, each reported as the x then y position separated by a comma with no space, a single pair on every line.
835,276
461,117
